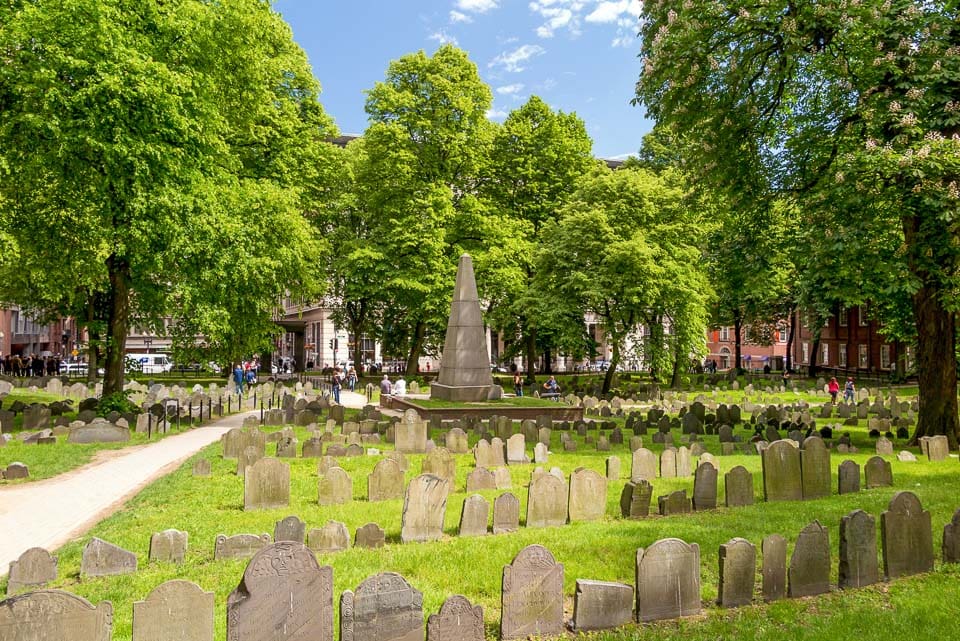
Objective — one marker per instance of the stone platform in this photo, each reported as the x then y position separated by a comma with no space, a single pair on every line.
556,411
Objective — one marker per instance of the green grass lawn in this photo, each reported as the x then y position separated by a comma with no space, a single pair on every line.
916,608
512,401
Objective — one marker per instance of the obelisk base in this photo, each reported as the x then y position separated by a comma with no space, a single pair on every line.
460,393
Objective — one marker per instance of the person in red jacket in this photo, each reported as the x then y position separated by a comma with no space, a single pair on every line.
834,388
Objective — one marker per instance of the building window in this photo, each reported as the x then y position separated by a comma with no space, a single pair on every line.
844,316
724,358
824,354
842,355
885,356
862,356
862,313
725,334
805,352
782,335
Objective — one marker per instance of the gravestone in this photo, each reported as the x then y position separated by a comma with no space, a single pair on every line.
287,447
738,566
98,433
858,550
481,479
384,608
440,463
497,452
482,454
290,528
809,572
385,482
774,550
54,615
815,468
279,576
683,462
643,465
588,496
546,502
506,513
370,535
601,605
781,472
250,455
106,559
169,546
456,441
635,500
877,473
331,538
848,478
410,436
951,540
613,468
175,610
325,464
16,470
501,477
906,457
668,464
458,620
532,595
668,580
540,453
201,467
907,537
424,507
266,485
335,487
516,450
705,487
239,546
474,516
884,446
33,569
36,417
400,459
674,503
738,487
938,448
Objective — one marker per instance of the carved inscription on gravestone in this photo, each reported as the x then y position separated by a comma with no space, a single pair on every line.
384,608
424,507
858,550
458,620
54,615
781,472
266,485
532,595
907,537
809,572
587,497
34,568
106,559
738,565
174,611
668,580
546,502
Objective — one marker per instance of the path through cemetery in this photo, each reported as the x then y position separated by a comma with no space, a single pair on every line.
49,513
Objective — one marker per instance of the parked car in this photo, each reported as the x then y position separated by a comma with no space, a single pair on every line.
73,369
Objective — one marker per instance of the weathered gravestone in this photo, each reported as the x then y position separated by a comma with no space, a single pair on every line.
516,450
239,546
384,608
424,507
36,417
705,487
858,550
456,441
201,467
290,528
613,468
98,433
668,463
546,502
506,513
458,620
938,448
174,611
738,566
877,473
738,487
106,559
815,468
481,479
848,478
280,576
809,572
250,455
34,568
54,615
169,545
635,499
643,465
781,472
266,485
588,496
774,550
332,537
884,446
440,463
16,470
335,487
951,540
532,595
668,580
674,503
474,516
601,605
410,436
385,482
907,537
370,535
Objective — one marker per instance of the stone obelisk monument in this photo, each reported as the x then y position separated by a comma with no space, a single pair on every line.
465,367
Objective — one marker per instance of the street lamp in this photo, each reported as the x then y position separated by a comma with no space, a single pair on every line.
147,342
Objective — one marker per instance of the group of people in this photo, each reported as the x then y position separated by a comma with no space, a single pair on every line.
551,386
30,365
849,389
338,379
245,373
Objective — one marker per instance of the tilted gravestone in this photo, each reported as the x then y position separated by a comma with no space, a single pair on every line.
56,616
738,566
815,468
809,572
877,473
335,487
385,482
907,537
34,568
587,497
482,454
774,550
266,485
481,479
474,516
370,535
458,620
506,513
290,528
546,502
738,487
951,540
385,607
635,500
239,546
613,468
668,580
644,465
705,487
858,550
532,595
101,558
424,507
601,605
329,539
174,610
169,546
938,448
848,478
781,472
674,503
280,575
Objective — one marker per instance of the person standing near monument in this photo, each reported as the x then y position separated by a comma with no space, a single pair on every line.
518,383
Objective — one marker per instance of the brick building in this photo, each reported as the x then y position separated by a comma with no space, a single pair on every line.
850,343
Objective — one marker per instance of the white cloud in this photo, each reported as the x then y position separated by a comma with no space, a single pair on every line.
513,61
559,14
442,37
476,6
456,16
496,114
611,11
506,90
623,41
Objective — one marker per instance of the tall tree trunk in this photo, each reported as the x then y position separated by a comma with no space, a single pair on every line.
357,315
677,367
416,347
118,321
612,366
936,367
93,341
737,339
530,351
815,349
547,361
791,335
654,345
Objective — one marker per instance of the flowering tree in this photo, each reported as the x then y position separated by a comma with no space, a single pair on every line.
850,109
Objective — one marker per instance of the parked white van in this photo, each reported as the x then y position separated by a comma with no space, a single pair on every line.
152,363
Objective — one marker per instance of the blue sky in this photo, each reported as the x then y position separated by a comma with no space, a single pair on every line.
578,55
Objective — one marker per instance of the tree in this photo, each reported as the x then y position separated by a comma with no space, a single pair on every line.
135,158
850,110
